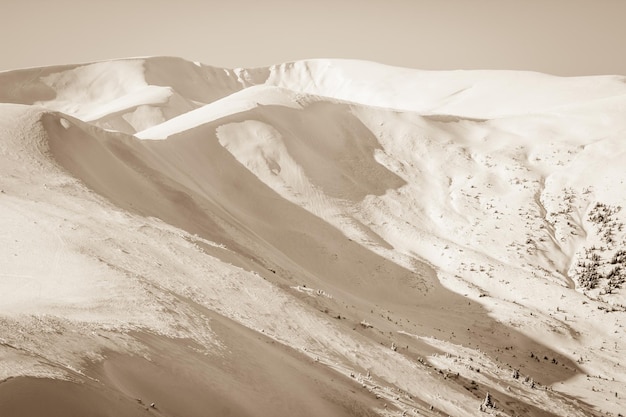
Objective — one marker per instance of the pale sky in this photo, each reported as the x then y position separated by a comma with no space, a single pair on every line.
563,37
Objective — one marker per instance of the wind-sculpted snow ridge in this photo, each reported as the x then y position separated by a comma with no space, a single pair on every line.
124,95
328,236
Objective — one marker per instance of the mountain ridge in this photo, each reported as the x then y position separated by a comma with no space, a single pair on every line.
418,258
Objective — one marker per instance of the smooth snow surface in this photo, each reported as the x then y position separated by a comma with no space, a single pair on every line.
333,236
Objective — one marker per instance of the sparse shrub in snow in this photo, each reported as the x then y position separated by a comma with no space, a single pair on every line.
599,267
366,325
619,257
487,403
603,216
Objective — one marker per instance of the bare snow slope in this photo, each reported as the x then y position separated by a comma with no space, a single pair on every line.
339,237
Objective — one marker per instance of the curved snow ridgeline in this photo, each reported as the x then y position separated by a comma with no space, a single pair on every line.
330,236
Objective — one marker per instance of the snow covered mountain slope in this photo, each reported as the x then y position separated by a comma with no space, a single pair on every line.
124,95
477,94
332,237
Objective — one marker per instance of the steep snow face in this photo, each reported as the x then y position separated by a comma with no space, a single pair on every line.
425,234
